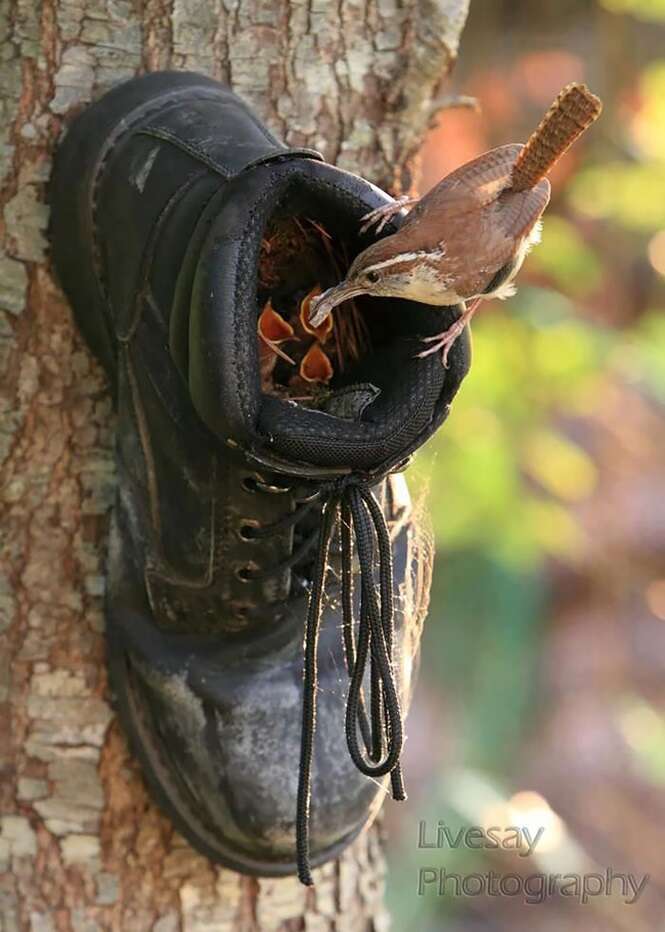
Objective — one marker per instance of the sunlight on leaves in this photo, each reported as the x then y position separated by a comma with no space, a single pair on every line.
532,362
643,729
640,356
566,259
632,194
642,9
648,125
561,467
656,252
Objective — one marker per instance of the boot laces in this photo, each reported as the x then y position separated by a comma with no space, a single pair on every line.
375,740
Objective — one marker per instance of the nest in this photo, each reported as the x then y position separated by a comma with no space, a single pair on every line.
300,362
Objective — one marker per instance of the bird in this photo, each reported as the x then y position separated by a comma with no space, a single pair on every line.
464,241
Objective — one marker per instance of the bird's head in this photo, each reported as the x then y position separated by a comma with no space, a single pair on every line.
381,270
462,246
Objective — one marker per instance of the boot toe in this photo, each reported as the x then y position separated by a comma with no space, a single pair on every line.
224,763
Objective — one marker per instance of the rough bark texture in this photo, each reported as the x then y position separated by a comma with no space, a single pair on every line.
81,846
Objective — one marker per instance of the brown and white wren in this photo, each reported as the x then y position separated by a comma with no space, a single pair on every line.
465,240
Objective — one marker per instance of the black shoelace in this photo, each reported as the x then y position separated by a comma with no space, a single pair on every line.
362,518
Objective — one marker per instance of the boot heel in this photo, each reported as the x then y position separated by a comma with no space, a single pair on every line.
78,164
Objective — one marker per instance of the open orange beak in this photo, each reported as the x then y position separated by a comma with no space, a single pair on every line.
323,331
315,366
273,330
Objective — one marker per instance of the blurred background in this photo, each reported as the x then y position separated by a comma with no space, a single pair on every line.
541,699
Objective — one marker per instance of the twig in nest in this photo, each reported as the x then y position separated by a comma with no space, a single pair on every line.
320,229
351,334
273,330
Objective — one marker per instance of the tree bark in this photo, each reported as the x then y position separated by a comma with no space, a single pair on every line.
82,848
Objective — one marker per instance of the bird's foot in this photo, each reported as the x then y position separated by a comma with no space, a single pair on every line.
446,339
442,341
381,215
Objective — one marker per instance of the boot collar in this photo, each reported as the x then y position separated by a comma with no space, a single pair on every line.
221,363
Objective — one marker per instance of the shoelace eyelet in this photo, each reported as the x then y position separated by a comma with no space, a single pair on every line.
246,531
255,483
245,572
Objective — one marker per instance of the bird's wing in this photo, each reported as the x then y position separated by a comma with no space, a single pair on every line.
518,211
466,190
474,220
470,223
496,234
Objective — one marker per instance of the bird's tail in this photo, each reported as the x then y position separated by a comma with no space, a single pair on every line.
574,110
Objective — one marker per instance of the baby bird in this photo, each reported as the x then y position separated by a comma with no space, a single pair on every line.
465,240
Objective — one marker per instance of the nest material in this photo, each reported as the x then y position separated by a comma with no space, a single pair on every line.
299,361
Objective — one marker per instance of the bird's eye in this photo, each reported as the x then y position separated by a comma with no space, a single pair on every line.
373,277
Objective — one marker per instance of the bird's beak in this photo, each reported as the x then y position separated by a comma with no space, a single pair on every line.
322,306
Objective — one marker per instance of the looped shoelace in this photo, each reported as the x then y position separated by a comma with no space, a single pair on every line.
382,735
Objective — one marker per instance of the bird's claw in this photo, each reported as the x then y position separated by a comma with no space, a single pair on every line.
381,215
445,340
442,341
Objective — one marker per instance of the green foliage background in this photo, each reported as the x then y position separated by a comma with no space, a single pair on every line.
511,469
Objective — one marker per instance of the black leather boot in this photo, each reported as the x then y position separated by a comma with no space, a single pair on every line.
228,498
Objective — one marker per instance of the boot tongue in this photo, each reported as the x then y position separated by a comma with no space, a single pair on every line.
349,403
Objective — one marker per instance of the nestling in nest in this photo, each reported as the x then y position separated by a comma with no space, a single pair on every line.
297,359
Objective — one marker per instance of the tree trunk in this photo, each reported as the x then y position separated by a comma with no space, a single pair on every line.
82,848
